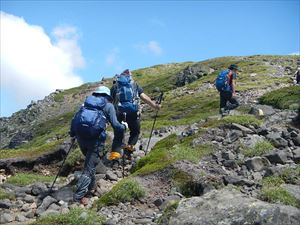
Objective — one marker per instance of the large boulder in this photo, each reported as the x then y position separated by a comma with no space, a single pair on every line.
191,74
228,207
262,110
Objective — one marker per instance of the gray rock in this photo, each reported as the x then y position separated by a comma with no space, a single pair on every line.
277,140
242,128
143,221
49,212
45,204
38,188
29,199
4,204
232,164
265,109
29,215
228,155
111,175
237,180
100,176
26,207
296,140
296,155
277,156
169,200
101,168
191,74
158,202
21,218
257,163
64,194
293,189
228,207
262,130
293,133
252,140
6,218
234,136
54,207
113,221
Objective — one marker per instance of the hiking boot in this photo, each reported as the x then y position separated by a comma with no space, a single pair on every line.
128,150
112,160
114,156
224,112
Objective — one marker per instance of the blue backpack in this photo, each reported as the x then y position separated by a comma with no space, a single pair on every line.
126,95
90,121
222,81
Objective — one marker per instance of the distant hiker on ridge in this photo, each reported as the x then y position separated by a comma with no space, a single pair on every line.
89,128
225,84
126,94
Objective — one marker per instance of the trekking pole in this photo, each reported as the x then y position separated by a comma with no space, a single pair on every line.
123,156
159,101
71,146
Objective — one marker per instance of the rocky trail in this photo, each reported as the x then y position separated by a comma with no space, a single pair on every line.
31,202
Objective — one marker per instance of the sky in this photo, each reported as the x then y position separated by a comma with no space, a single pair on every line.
49,45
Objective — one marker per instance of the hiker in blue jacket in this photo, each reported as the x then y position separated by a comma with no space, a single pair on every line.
225,83
89,128
126,94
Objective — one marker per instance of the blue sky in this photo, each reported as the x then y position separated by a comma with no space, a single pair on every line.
104,37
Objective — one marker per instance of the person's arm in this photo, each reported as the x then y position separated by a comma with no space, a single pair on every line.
148,101
234,77
233,87
110,112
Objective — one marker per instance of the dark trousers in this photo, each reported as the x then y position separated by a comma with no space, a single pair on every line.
298,78
227,97
134,126
90,149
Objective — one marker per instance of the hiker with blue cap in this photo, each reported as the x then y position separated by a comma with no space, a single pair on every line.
89,128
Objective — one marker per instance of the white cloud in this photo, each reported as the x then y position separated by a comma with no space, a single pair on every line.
31,65
152,47
295,53
67,40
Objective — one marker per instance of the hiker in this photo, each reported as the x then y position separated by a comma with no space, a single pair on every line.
126,94
89,128
225,84
297,75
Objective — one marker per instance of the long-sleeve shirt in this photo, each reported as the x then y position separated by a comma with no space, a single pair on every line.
110,113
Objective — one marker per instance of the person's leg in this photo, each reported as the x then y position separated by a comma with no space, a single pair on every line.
88,174
223,101
134,126
233,103
117,144
100,148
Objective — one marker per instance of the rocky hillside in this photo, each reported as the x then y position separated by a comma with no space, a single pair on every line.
239,169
